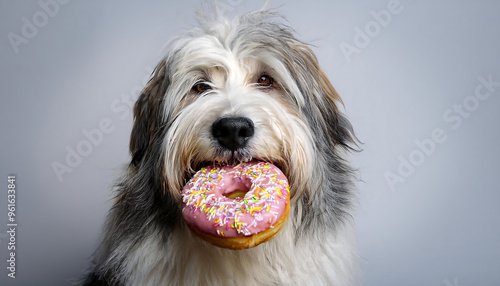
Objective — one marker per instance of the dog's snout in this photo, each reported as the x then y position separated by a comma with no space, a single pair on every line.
233,133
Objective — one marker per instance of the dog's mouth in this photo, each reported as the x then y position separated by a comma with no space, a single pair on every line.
233,160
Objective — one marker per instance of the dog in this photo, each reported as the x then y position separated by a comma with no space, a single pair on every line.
277,106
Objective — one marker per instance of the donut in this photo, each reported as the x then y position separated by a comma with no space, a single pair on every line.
236,206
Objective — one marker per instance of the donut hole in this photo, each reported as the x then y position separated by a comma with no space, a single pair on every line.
238,194
237,189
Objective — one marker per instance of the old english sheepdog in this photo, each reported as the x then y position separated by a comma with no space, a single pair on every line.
232,91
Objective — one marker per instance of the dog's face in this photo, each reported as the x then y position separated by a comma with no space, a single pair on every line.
234,92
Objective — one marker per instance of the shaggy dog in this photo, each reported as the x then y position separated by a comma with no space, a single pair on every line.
277,106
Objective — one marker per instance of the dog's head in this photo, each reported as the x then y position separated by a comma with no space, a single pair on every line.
239,91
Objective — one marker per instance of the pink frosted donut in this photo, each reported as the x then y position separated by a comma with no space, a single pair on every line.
240,222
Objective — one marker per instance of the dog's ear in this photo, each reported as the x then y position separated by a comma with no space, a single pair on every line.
338,125
321,97
147,113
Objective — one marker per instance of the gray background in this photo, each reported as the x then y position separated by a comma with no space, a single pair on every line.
440,226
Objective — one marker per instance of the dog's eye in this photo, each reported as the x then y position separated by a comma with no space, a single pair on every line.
201,87
265,81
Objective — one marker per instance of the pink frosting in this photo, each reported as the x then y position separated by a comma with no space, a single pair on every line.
206,208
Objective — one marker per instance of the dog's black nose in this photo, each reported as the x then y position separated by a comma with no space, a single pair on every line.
233,133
